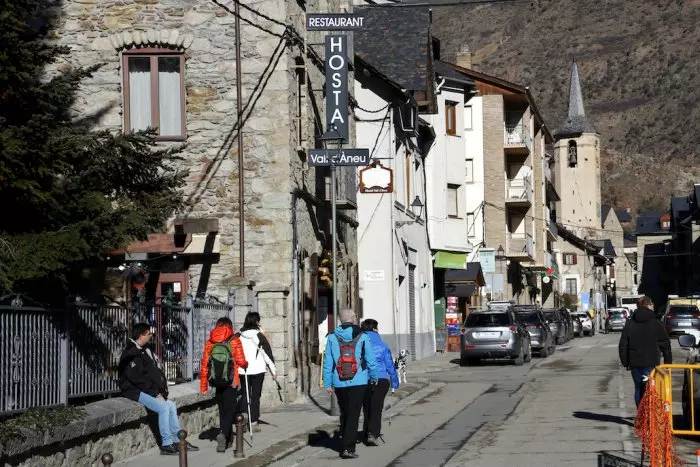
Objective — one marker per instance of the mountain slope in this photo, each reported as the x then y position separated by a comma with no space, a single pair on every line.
638,61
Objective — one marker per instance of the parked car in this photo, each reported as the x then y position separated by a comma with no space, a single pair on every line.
494,334
617,318
569,321
578,327
681,318
691,342
541,337
587,325
556,324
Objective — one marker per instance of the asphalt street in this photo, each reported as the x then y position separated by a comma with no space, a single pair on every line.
562,410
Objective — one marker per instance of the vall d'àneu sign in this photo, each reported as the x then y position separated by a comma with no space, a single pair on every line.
333,22
328,157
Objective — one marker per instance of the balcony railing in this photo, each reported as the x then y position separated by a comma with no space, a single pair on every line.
551,222
519,190
517,136
521,245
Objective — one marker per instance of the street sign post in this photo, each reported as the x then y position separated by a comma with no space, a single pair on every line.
337,121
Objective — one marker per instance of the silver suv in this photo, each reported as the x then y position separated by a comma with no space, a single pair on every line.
494,334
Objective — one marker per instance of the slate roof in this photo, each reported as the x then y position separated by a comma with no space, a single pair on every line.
396,42
576,122
606,247
447,70
680,208
623,215
648,223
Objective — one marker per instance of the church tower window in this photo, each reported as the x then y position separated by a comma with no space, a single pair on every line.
573,154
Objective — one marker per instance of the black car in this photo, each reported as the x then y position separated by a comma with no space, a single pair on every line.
569,321
556,323
541,336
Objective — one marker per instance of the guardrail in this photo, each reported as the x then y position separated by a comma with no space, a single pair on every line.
517,135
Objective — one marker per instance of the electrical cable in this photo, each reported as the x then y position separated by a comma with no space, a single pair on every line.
246,20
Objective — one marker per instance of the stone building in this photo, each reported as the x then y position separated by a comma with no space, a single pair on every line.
171,65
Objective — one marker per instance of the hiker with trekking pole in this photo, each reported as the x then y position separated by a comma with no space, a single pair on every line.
223,359
258,353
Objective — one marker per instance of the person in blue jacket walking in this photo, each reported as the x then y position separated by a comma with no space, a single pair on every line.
348,367
374,395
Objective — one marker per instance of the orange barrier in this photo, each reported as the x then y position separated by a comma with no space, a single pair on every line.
655,423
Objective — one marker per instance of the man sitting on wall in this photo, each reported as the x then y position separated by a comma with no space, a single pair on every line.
141,379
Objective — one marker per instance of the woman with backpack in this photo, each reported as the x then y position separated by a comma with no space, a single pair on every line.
223,357
258,353
373,403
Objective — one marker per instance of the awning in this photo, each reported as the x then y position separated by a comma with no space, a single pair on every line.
459,290
167,243
450,260
203,244
472,274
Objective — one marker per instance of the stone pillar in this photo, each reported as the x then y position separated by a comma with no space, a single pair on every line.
275,316
242,290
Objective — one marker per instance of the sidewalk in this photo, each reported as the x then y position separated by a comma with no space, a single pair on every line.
282,426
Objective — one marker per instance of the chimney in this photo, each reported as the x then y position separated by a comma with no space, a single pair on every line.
464,57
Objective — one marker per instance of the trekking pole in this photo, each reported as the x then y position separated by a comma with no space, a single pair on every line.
247,398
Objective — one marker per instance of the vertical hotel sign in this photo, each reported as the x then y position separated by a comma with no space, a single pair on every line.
337,85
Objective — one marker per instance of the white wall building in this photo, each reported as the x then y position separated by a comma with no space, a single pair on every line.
396,286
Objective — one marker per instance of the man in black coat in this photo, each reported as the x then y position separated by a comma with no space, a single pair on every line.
643,340
141,379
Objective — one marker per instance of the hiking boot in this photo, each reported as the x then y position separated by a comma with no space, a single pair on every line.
169,450
191,447
371,440
349,454
256,428
220,443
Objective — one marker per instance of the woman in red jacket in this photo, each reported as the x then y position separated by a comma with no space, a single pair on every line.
223,354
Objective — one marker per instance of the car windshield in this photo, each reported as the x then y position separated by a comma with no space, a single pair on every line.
551,315
683,310
581,316
617,314
529,318
479,320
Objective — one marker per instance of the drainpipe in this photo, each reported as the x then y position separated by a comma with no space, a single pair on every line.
295,277
239,111
394,298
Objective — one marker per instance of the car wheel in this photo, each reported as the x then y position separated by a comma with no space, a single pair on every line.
552,350
520,358
473,361
544,352
463,361
528,355
560,340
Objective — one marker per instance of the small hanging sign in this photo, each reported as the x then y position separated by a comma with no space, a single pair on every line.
376,178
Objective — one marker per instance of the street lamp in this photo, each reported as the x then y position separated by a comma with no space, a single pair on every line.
500,251
417,210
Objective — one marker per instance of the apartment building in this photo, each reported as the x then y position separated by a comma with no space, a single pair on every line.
510,192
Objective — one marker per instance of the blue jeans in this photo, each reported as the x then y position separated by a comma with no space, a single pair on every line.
168,424
640,385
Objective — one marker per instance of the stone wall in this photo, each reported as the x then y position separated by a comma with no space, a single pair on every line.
117,426
274,158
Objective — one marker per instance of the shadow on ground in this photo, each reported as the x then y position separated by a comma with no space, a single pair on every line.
323,439
599,417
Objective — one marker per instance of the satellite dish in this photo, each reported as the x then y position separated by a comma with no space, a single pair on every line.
546,279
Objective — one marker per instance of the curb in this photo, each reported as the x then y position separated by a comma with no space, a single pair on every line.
300,441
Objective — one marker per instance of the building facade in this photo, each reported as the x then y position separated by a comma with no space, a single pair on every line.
172,66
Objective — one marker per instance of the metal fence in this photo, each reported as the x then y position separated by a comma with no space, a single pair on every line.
51,356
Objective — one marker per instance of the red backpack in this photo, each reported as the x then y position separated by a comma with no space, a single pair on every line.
347,363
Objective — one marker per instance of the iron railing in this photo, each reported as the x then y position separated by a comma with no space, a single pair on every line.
51,356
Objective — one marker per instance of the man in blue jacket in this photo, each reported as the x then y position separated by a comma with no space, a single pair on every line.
348,366
374,396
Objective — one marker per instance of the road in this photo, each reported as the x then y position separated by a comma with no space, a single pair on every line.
562,410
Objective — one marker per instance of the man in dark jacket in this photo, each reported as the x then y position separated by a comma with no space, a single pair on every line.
643,340
141,379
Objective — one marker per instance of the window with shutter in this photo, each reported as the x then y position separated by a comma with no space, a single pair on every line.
570,259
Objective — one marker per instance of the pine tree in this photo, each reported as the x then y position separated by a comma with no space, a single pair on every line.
68,192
